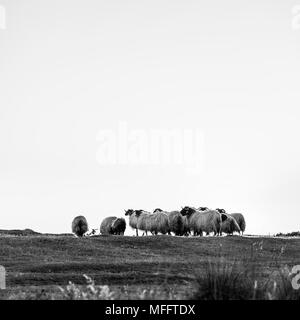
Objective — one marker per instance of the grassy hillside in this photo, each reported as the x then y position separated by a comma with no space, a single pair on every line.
41,261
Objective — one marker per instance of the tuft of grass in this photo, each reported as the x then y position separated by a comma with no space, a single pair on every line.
223,281
238,280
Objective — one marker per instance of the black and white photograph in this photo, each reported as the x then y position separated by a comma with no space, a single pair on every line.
149,152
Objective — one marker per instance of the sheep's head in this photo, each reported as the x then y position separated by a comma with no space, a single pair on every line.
224,217
187,211
203,208
157,210
129,212
138,212
221,210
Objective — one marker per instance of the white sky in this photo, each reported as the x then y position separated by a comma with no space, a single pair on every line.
69,69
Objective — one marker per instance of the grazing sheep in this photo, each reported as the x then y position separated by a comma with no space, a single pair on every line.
106,225
176,222
133,219
206,221
119,226
240,219
113,225
80,226
230,225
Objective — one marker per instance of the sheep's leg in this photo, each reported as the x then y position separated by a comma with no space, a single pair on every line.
137,234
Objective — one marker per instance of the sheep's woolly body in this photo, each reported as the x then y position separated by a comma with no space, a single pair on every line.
146,221
176,222
157,222
119,226
161,223
186,226
133,219
113,225
204,221
106,225
230,225
80,226
240,219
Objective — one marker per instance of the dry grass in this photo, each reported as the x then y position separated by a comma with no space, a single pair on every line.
158,267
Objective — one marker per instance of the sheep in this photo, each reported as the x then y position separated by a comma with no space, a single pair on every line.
79,226
119,226
146,221
113,225
157,222
230,226
133,219
161,224
240,219
206,221
176,222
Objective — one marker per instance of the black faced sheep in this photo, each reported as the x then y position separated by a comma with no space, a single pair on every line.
203,221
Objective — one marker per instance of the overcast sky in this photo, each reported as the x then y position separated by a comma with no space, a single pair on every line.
227,70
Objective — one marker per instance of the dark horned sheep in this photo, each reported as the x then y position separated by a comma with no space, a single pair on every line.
133,219
79,226
176,221
113,225
203,221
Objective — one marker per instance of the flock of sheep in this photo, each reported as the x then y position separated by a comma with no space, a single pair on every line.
187,221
